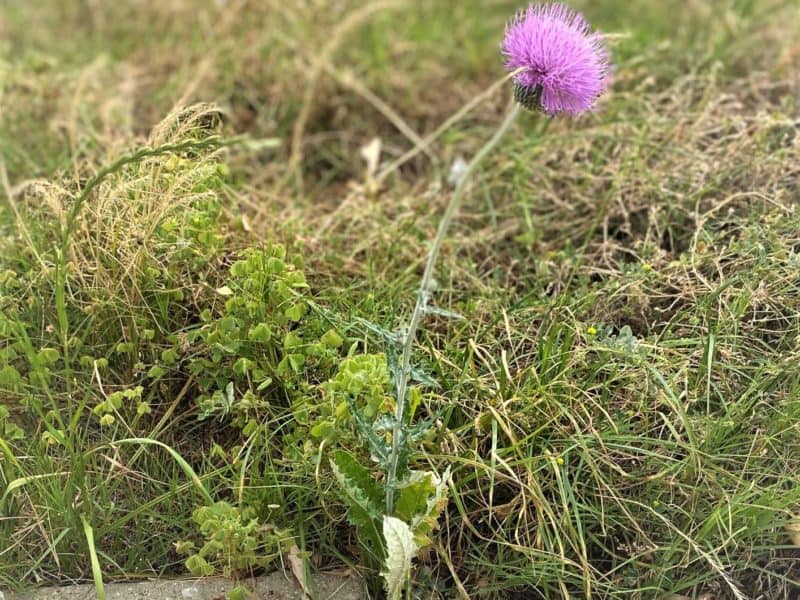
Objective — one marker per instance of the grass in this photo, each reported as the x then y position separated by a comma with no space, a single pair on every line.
619,405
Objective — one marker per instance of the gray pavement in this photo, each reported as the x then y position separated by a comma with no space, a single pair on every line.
275,586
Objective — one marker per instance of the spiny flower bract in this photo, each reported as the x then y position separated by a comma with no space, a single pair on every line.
566,65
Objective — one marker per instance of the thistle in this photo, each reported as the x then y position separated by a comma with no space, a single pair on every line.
558,66
565,65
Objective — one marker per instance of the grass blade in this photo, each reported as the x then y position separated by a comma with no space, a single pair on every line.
97,574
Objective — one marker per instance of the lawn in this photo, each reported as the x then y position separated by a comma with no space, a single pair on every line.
214,217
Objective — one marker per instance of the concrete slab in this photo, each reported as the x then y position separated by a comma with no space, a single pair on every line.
275,586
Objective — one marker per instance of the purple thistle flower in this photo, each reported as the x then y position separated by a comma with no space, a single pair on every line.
567,65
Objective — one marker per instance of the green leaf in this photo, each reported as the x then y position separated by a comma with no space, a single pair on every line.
441,312
275,266
124,348
357,483
292,340
198,566
242,366
422,377
414,400
48,356
97,573
400,552
250,427
332,339
413,496
101,408
264,384
387,335
297,361
423,523
115,400
239,593
295,312
365,499
13,432
291,363
169,356
260,333
324,429
377,444
9,377
156,372
184,547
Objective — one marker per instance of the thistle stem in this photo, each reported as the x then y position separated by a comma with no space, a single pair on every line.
423,295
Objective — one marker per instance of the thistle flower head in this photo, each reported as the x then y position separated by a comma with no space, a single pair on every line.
566,65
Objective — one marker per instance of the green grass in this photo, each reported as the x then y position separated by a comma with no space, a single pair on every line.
619,405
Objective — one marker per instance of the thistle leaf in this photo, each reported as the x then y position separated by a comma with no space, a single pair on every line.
401,549
422,377
387,335
377,445
421,499
443,312
414,493
357,483
425,522
364,498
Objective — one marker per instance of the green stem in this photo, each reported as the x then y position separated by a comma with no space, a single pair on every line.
423,295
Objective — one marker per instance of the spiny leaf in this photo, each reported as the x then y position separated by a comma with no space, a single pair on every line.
413,495
357,483
389,336
441,312
364,498
425,522
377,445
418,431
422,377
400,552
